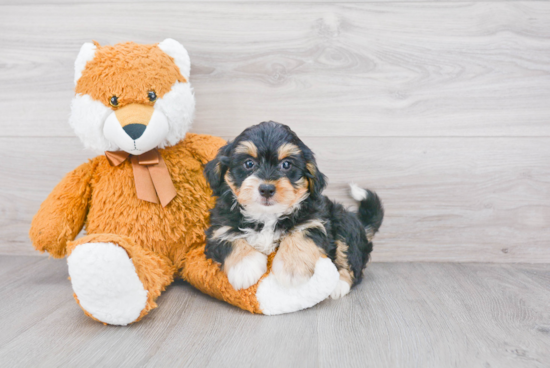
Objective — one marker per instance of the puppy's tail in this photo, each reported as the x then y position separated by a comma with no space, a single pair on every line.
370,212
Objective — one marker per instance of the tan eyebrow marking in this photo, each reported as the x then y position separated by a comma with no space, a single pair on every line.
288,149
248,148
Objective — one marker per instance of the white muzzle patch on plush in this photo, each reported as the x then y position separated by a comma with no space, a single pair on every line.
155,133
87,119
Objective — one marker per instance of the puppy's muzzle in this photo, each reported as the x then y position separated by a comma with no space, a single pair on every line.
267,190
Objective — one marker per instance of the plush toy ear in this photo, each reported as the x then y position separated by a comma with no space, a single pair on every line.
215,170
176,50
87,53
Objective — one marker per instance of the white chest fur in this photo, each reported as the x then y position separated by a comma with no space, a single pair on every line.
265,240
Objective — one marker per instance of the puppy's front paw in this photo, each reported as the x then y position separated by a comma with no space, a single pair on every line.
248,271
292,272
341,289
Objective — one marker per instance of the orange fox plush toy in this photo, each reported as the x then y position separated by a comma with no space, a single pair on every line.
144,202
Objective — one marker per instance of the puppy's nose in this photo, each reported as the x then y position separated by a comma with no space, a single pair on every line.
267,190
135,130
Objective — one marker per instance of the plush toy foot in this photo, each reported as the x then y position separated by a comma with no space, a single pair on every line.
275,298
267,296
116,281
106,284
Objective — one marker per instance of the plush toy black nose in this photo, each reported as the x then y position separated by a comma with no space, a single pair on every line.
135,130
267,190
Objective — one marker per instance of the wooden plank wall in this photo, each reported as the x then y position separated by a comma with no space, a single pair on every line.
442,107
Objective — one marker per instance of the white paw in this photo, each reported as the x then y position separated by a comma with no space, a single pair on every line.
277,299
248,271
286,276
106,283
341,289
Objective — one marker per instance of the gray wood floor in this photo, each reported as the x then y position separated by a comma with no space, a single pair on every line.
402,315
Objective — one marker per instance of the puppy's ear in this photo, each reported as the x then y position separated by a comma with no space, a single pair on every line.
215,170
317,180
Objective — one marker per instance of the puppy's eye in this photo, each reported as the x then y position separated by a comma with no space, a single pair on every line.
249,164
113,101
152,96
286,165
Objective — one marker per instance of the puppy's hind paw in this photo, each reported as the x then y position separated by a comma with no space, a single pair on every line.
248,271
341,289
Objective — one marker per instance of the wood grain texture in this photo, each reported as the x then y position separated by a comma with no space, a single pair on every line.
446,199
402,315
358,69
479,316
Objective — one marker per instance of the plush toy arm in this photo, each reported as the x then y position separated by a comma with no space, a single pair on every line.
62,215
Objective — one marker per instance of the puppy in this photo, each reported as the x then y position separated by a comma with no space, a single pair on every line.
269,195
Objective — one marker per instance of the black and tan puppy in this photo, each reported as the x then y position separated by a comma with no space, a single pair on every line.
269,195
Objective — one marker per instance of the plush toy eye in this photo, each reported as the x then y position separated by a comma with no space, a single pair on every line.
249,164
286,165
114,101
152,96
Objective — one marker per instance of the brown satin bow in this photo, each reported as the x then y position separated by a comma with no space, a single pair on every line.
153,181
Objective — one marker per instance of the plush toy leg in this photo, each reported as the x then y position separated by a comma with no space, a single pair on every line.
267,296
115,281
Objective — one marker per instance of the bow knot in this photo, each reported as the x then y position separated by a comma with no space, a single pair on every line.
153,181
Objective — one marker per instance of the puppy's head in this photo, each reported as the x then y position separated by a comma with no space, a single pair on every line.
267,168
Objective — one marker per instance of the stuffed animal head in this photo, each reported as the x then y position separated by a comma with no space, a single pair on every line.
132,97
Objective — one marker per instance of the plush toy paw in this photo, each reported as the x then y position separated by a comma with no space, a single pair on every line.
267,296
294,272
274,298
248,271
106,284
341,289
